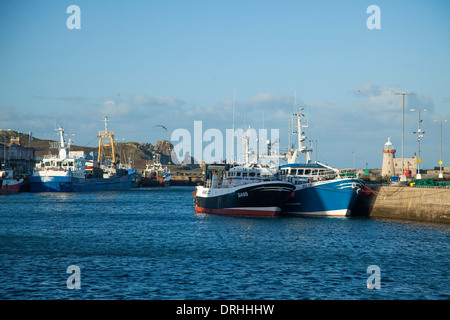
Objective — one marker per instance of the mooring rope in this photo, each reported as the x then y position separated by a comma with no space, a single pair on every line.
400,190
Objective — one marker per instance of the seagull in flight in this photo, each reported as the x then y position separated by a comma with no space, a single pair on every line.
159,125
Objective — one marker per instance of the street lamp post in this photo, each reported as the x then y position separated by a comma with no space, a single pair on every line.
402,175
420,134
440,157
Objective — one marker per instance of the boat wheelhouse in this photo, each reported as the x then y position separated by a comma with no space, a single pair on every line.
9,182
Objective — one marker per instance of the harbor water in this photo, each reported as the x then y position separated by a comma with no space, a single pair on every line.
149,244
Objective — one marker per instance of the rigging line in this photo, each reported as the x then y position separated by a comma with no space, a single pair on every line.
91,141
388,195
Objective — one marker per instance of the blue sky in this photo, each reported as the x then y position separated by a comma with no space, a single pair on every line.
145,63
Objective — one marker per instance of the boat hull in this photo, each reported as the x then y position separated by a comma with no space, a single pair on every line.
11,186
257,199
331,198
154,182
73,184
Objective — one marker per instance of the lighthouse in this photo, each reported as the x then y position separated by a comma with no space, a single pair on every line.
388,168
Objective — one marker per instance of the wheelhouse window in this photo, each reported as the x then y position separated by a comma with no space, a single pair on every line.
79,164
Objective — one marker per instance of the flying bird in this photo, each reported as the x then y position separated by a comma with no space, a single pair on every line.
159,125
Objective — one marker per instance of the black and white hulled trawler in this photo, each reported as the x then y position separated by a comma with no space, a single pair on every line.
245,190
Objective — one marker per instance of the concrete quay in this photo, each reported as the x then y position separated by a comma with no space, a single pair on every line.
431,204
185,180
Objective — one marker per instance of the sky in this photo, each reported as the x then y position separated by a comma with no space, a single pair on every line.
170,63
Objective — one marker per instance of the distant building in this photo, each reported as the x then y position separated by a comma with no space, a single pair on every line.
393,166
409,166
17,157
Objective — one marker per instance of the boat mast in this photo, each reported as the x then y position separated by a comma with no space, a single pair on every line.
234,106
246,150
300,138
233,156
62,144
106,134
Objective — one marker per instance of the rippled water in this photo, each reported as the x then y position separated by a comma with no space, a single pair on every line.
149,244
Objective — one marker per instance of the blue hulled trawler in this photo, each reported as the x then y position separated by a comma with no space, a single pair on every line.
66,172
320,190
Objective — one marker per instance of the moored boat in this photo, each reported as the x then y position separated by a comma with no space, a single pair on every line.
10,183
320,190
66,172
227,193
155,175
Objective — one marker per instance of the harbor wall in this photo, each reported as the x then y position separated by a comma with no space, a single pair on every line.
405,202
185,180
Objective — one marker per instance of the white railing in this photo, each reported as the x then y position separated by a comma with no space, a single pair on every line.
102,133
54,144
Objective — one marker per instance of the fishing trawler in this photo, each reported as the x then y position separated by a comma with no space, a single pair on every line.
65,172
246,190
9,182
155,175
320,190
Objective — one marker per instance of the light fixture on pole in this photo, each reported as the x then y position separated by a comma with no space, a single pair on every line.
402,175
440,157
420,134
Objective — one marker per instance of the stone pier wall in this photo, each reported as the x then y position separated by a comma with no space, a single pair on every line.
405,202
